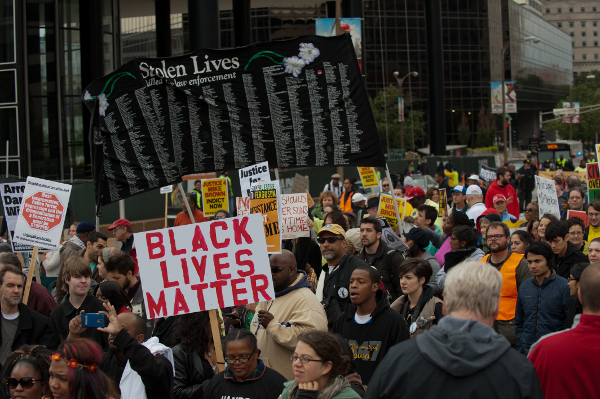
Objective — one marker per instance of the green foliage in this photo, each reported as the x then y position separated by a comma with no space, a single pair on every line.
493,149
585,92
387,100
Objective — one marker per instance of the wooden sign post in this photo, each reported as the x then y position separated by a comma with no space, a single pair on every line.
32,266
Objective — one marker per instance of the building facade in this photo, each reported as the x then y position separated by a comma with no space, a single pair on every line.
579,19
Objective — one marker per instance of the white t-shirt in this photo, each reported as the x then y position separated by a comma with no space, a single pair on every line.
362,319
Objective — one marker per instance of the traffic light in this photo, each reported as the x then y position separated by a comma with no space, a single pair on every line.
542,134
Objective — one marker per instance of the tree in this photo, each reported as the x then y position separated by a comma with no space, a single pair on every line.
585,92
486,130
464,132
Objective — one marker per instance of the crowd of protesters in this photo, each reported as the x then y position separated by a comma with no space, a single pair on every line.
468,308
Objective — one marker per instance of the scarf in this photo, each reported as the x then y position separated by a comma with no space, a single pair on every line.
334,387
132,386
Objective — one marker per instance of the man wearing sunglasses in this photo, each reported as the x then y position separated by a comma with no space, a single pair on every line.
334,287
514,271
19,324
294,310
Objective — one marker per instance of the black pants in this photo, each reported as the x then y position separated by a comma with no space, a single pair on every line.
524,199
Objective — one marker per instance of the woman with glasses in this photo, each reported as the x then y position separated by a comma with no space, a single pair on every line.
245,375
576,231
319,367
26,372
221,214
575,308
532,229
463,241
531,212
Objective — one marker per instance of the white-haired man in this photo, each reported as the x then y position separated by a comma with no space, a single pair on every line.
462,353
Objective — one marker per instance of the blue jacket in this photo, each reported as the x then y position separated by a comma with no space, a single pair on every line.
540,310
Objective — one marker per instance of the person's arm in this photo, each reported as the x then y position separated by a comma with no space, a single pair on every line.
436,239
522,272
52,262
441,278
286,332
433,283
438,312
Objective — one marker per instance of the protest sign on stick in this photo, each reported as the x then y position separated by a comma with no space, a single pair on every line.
389,237
265,198
12,197
597,146
593,178
387,210
547,197
443,202
243,206
487,173
214,196
166,190
300,184
368,176
253,174
579,214
294,211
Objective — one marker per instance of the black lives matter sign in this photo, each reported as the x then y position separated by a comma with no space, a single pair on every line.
293,103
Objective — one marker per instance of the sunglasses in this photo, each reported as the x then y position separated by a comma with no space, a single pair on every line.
385,185
330,240
26,382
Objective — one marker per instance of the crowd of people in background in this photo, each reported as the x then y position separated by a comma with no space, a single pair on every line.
491,299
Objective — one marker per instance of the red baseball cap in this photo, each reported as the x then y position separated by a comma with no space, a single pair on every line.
120,222
412,192
499,197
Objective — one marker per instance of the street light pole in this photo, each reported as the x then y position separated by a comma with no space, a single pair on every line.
532,39
400,81
571,116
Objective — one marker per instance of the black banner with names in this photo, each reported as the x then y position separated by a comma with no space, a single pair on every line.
293,103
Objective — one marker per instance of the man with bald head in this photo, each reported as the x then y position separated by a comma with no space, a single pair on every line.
294,310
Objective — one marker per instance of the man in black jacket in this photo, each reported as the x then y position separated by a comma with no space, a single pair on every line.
152,361
368,324
526,184
19,324
377,254
461,355
566,254
335,293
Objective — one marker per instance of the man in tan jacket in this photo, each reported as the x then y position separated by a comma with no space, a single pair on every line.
294,310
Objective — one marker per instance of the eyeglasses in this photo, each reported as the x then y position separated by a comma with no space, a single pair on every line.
304,360
496,237
576,233
25,382
330,240
572,279
275,270
385,185
454,239
220,217
240,360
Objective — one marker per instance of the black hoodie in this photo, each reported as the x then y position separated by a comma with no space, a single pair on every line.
370,342
572,256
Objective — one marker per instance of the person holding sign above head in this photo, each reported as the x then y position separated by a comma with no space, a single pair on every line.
367,323
77,274
246,375
183,217
295,309
334,283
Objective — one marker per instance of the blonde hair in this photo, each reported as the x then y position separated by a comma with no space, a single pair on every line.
473,287
331,194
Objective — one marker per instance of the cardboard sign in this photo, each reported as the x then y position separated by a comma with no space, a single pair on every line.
253,174
214,195
12,196
578,214
386,209
593,181
547,196
294,211
265,198
166,189
368,177
243,206
204,266
550,174
487,173
443,202
42,213
389,237
300,184
200,176
311,203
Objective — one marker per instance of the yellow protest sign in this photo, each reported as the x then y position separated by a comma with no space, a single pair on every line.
443,202
265,199
214,196
368,177
597,152
386,209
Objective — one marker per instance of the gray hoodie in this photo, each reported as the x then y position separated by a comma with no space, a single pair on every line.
478,254
435,266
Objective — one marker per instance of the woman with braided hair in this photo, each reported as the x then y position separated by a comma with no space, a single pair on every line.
74,372
26,372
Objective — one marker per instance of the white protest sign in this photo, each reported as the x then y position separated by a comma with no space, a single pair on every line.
42,213
204,266
253,174
547,197
12,195
166,189
487,173
243,206
294,211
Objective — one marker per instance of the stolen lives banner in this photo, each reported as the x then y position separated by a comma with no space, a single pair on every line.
293,103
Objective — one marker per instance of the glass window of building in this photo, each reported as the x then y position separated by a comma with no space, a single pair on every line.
570,9
559,10
595,34
582,34
559,24
596,56
583,24
584,56
595,23
582,9
571,24
594,9
572,34
595,44
547,11
583,44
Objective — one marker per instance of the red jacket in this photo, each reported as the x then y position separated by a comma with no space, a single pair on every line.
512,203
567,362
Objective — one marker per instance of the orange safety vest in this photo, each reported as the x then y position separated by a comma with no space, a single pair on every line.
509,292
346,201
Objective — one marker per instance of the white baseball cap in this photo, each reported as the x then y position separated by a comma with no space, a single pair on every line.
473,177
473,189
358,197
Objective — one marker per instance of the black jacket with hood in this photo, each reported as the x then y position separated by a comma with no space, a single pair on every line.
572,256
457,358
370,342
387,261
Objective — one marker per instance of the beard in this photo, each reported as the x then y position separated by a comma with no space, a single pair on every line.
499,248
329,255
12,302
